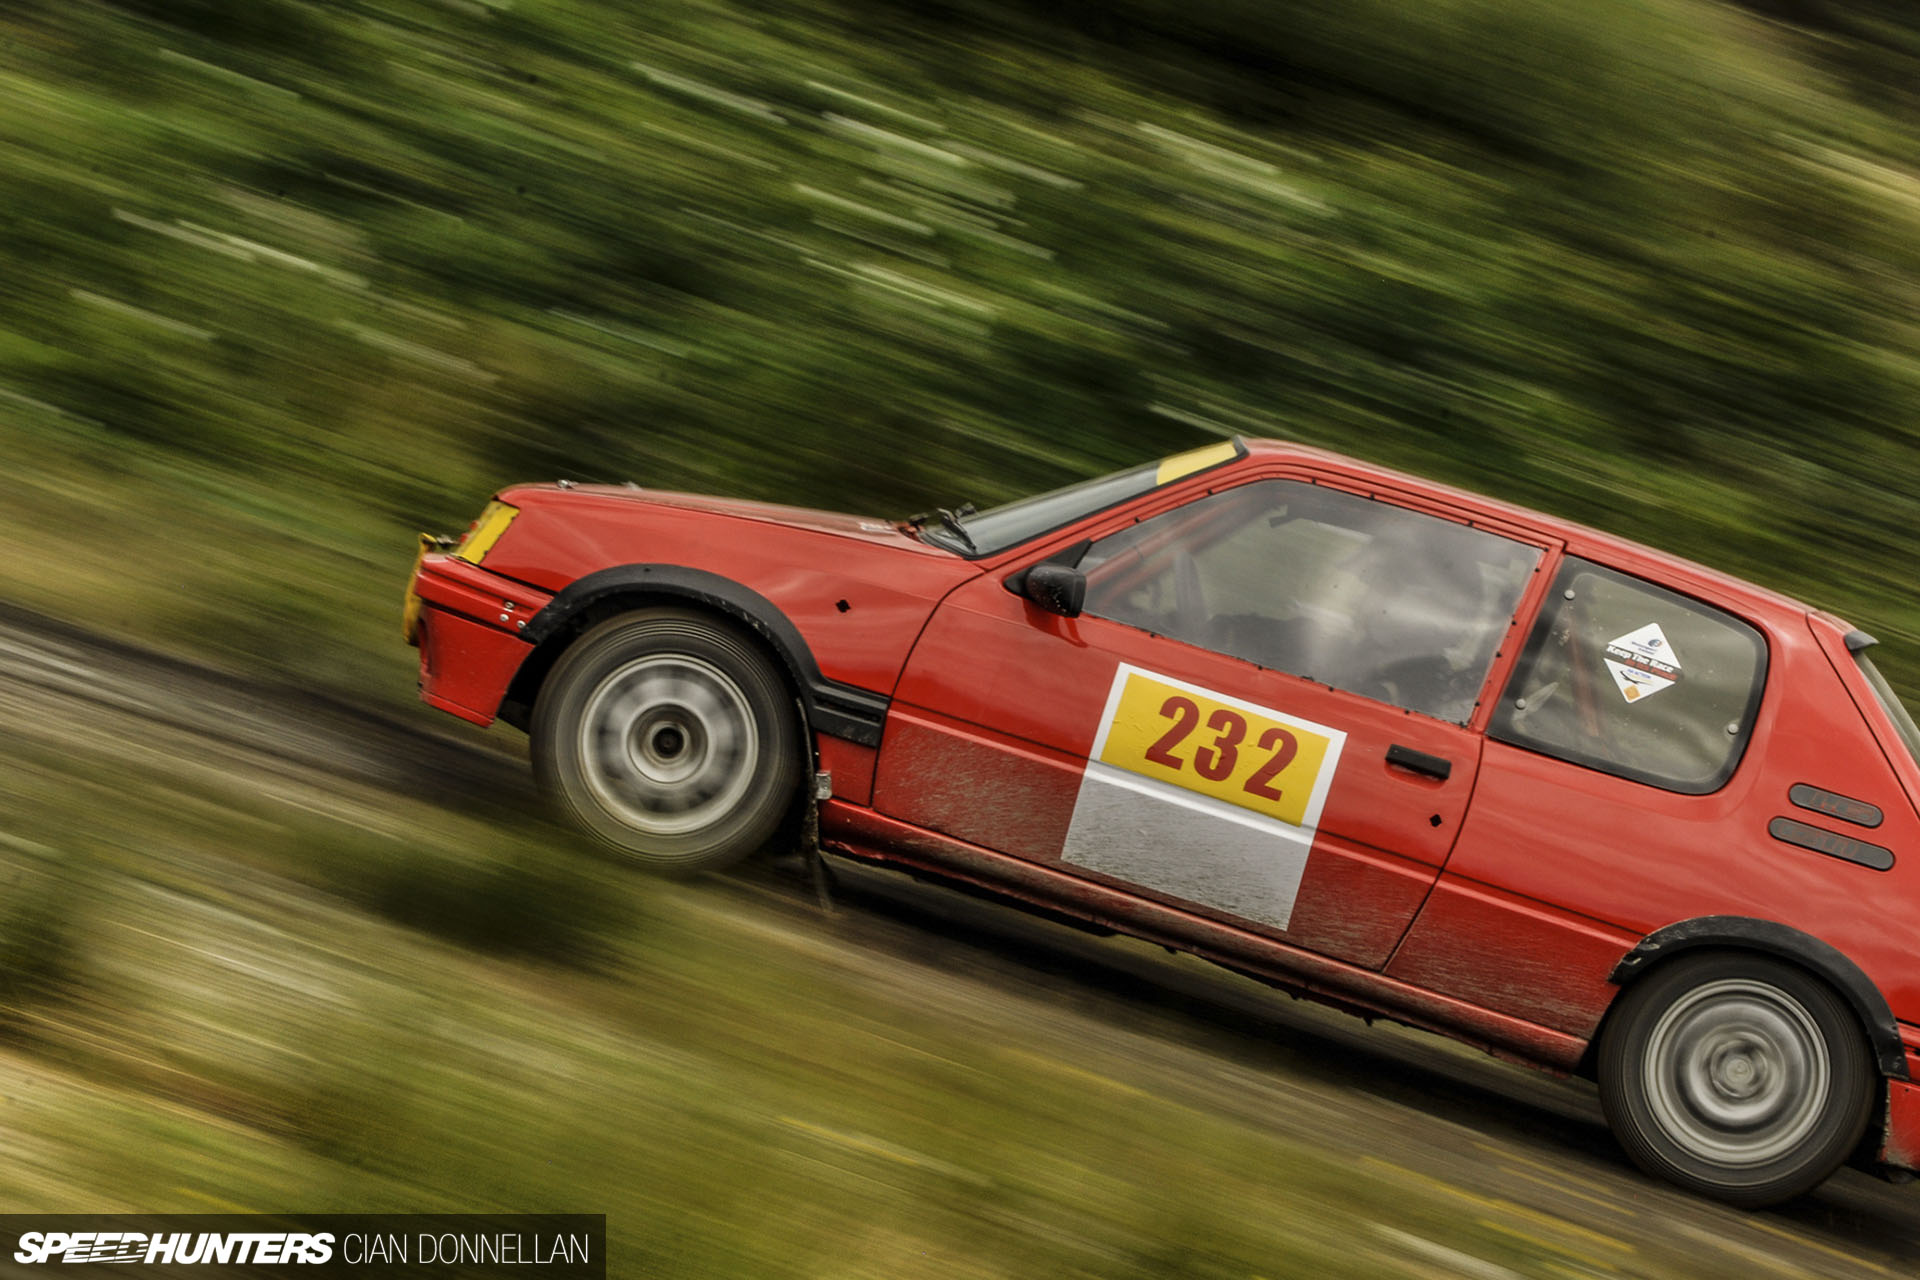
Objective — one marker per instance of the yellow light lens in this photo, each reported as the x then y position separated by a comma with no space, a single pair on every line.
486,531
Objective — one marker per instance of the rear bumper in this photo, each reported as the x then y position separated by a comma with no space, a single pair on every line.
467,625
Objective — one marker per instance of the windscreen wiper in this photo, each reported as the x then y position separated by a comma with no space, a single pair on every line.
951,520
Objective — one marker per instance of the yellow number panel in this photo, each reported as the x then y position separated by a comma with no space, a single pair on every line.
1221,747
1203,796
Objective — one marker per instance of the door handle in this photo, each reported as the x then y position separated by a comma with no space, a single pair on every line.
1420,762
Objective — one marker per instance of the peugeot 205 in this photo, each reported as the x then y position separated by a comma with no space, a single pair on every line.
1367,738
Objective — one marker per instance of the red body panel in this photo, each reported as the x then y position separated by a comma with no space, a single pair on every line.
1900,1146
866,834
1618,859
1539,962
889,581
851,767
1493,905
469,635
464,664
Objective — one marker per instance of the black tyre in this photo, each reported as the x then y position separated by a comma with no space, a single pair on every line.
669,736
1736,1076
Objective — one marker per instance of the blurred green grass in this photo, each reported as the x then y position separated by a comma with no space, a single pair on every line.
242,1021
287,281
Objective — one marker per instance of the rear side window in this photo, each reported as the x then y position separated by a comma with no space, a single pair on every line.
1635,680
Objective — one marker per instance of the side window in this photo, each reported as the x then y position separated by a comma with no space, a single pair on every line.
1632,679
1357,594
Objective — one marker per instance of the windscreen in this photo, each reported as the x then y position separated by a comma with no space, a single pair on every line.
1014,523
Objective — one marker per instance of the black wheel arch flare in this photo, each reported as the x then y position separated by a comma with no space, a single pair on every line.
833,708
1743,933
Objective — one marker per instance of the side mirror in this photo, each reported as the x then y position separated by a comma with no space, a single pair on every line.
1057,588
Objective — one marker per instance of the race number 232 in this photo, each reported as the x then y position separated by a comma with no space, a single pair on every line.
1244,755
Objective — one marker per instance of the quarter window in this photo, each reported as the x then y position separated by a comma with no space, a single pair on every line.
1635,680
1375,599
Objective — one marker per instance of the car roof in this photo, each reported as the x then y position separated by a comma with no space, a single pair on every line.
1625,554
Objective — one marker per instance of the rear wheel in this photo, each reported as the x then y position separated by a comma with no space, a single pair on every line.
1736,1076
670,737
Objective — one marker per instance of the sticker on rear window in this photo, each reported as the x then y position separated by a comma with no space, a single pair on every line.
1202,795
1642,662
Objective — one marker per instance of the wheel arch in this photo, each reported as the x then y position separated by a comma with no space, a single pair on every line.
1783,942
839,710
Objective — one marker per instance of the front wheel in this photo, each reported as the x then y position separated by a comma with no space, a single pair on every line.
1736,1076
670,737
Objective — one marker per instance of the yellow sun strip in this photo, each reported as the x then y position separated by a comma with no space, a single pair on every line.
1185,464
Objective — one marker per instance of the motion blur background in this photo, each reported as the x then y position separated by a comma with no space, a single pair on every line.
286,281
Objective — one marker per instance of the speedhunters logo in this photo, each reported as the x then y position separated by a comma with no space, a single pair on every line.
534,1246
259,1247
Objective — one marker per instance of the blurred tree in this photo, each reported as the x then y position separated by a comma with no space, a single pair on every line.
302,275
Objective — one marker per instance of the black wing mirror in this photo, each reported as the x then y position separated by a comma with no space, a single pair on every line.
1057,588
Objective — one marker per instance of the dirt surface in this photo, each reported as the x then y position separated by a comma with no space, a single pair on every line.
1522,1153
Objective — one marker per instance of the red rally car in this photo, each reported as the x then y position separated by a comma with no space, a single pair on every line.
1371,739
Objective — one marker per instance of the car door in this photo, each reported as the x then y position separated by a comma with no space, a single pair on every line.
1263,712
1614,799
